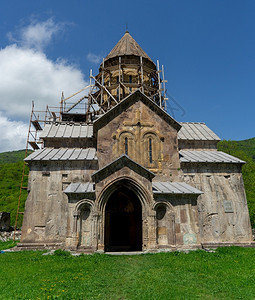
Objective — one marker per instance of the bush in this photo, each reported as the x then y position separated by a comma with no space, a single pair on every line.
61,252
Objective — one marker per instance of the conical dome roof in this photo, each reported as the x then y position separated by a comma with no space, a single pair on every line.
127,46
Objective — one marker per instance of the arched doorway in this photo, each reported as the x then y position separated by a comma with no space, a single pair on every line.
123,221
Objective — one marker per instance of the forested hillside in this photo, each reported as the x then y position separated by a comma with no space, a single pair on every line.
248,146
11,165
12,157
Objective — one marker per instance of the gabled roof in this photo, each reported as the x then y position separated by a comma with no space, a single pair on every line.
196,131
127,46
119,163
213,156
127,102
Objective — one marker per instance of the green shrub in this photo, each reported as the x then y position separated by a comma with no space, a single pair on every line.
61,252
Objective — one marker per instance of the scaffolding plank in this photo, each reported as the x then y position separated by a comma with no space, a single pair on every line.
36,125
33,145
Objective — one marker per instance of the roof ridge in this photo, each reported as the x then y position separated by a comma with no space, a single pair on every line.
127,45
192,122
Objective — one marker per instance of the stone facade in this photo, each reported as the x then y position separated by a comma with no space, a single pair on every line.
133,190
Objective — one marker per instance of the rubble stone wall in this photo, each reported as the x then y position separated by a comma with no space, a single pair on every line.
47,214
8,235
222,209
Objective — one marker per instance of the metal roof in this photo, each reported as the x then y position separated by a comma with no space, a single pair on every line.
80,188
63,154
66,130
127,46
196,131
159,187
208,156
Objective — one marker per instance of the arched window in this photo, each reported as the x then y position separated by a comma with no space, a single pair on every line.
126,145
150,150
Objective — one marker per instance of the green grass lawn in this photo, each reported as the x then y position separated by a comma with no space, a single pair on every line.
226,274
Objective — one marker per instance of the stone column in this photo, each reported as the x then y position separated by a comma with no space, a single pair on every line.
172,220
100,234
152,235
95,231
75,234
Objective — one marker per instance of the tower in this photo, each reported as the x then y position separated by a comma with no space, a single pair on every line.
124,70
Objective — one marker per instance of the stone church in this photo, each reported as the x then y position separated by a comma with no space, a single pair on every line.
124,175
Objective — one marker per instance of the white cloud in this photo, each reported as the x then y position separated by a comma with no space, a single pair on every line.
13,134
37,35
95,59
27,74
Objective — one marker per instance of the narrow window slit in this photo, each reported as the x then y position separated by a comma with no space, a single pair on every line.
126,145
130,81
150,150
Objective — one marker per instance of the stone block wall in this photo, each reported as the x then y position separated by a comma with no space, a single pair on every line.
222,209
138,123
47,216
184,219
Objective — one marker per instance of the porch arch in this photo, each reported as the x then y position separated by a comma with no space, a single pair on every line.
123,193
144,197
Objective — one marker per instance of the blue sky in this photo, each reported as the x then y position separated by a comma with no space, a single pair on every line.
207,49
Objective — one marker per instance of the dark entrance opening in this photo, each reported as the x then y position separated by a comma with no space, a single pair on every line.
123,222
